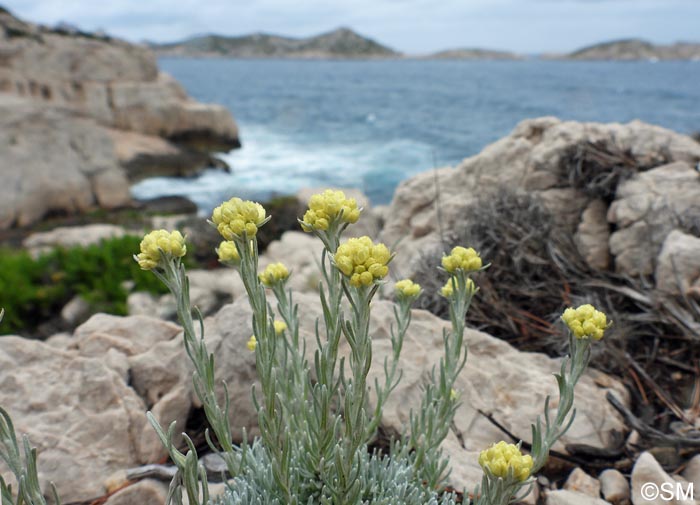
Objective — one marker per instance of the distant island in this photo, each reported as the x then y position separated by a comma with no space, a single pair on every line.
342,43
474,54
634,49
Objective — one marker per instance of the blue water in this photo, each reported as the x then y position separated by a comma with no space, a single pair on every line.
371,124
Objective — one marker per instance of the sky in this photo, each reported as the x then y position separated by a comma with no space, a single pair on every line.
410,26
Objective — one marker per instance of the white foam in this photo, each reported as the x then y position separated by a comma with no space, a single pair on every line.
273,164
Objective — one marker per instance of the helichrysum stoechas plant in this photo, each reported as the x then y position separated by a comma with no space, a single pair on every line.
315,419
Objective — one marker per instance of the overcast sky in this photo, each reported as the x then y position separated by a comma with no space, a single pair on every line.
412,26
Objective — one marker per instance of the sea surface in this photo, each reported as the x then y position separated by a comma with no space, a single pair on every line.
372,124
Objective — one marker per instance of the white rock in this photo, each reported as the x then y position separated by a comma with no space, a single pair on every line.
144,492
678,265
581,482
646,209
565,497
75,311
71,236
614,486
647,478
692,474
82,417
593,234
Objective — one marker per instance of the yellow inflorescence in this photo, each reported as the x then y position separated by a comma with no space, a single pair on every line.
326,207
407,288
280,326
252,343
362,261
237,217
227,252
462,258
448,289
171,243
586,322
502,457
454,395
273,273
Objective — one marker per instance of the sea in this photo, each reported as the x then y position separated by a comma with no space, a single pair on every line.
372,124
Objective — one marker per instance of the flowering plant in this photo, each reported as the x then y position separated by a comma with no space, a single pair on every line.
317,419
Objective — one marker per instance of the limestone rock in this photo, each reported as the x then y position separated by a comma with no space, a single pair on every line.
132,335
646,209
82,417
51,161
678,265
593,234
144,492
63,94
647,477
565,497
70,236
581,482
614,487
75,311
533,158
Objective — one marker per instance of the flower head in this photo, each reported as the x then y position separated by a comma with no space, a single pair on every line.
236,218
228,253
501,458
327,207
586,322
462,258
454,395
171,243
274,273
362,261
252,343
448,289
280,326
406,288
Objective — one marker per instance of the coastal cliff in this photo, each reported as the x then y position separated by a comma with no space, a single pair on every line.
83,115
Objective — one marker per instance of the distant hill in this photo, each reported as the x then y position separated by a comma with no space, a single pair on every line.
473,54
340,43
637,49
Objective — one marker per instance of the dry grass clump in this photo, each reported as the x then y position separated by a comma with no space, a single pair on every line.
598,167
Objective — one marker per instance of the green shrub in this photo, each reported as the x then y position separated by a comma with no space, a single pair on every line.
35,290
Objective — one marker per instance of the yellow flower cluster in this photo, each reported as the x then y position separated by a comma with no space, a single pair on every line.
448,289
273,273
407,288
362,261
502,457
171,243
237,217
326,207
586,322
280,326
252,343
462,258
227,252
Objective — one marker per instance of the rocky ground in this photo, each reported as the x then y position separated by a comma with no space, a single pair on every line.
624,196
